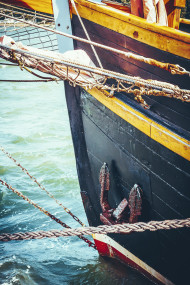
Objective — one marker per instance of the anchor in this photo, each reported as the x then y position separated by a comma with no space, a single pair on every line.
126,211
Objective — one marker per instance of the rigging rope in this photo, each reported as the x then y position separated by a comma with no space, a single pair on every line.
6,63
89,77
145,88
27,81
86,33
41,186
24,31
174,69
22,10
125,228
57,220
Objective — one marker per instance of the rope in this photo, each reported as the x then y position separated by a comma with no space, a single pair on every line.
117,229
26,81
5,63
174,69
22,66
41,186
24,31
90,77
86,33
125,228
44,211
19,10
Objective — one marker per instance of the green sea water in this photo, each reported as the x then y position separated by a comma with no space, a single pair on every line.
34,128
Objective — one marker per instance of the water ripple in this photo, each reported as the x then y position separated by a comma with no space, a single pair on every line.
35,130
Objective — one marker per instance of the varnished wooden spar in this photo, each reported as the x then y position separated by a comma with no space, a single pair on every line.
117,5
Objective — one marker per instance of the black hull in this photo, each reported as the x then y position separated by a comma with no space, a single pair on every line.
133,157
165,186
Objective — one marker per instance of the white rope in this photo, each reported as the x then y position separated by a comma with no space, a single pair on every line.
104,229
86,33
174,69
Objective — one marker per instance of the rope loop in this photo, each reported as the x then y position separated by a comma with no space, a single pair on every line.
89,77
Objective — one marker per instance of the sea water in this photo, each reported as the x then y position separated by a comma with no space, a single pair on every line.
34,128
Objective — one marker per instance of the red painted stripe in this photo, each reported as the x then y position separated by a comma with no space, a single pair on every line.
107,250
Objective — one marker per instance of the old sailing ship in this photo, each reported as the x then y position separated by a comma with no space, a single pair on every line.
132,151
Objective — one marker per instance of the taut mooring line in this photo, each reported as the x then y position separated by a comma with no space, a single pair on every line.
57,220
41,186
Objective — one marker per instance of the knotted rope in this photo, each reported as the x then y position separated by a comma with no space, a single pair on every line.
172,68
89,77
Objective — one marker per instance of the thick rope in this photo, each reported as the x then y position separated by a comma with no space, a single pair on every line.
117,229
125,228
174,69
78,74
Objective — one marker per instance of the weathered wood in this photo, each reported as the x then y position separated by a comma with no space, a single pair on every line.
173,8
